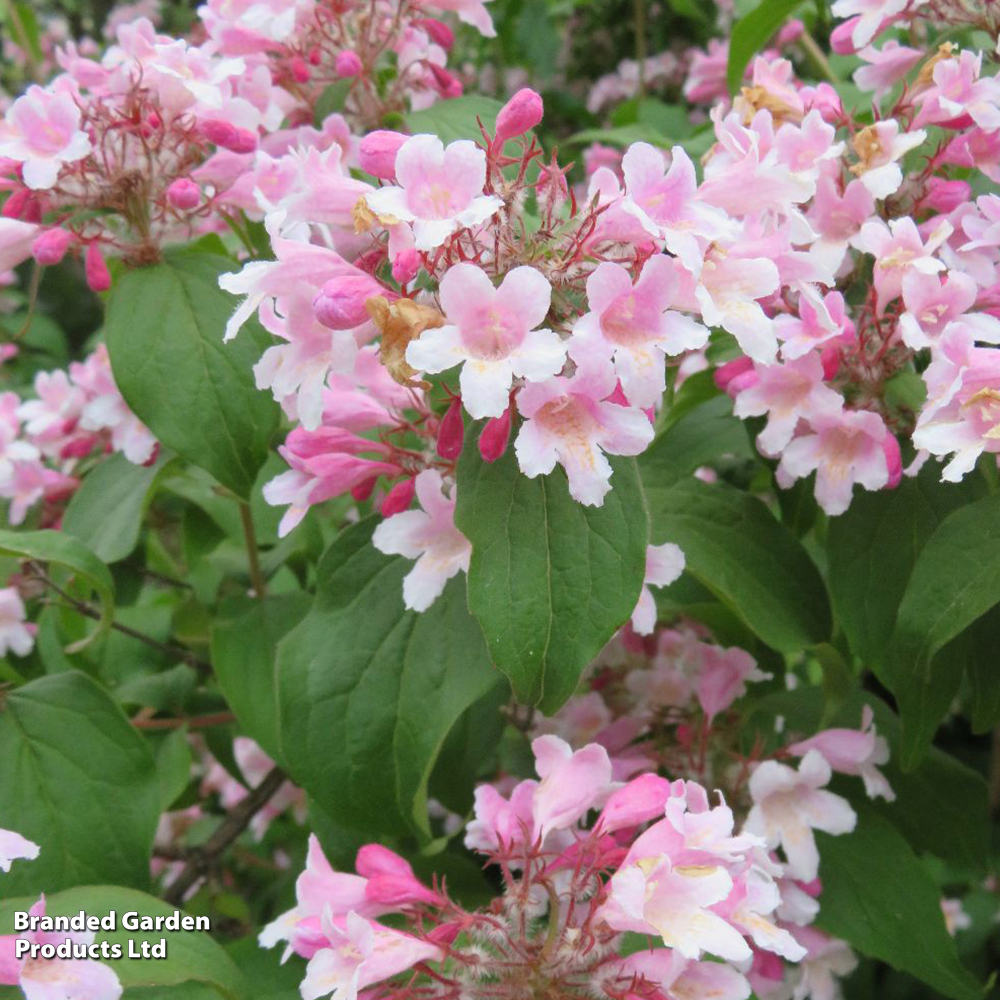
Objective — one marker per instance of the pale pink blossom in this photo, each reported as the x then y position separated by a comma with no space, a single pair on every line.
828,959
56,978
571,783
570,421
837,218
787,393
899,249
498,822
664,564
440,190
885,67
854,751
42,132
430,537
16,241
723,678
872,15
819,321
360,953
931,304
492,334
678,978
16,635
12,845
635,327
958,90
472,12
955,917
880,146
842,448
789,805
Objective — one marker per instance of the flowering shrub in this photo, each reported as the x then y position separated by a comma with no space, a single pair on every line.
470,552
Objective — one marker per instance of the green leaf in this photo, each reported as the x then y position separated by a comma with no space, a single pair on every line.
78,780
456,118
751,562
244,647
896,919
332,100
872,549
369,691
955,581
623,136
173,765
106,512
981,671
550,580
63,550
196,394
192,956
751,33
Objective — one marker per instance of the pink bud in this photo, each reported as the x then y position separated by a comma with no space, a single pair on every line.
246,141
237,140
348,63
405,266
98,275
377,153
519,115
789,33
840,38
340,303
391,881
451,432
374,859
724,375
446,933
448,84
315,56
944,195
830,359
14,207
893,459
642,799
363,490
398,498
438,32
183,193
299,69
494,437
51,246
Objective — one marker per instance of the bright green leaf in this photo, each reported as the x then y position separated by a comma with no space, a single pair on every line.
751,33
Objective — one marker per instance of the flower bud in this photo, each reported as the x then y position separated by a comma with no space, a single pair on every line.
830,359
299,69
348,63
494,437
340,303
451,432
448,84
945,195
519,115
51,246
789,33
398,498
437,31
893,459
377,153
315,56
405,266
733,371
14,207
841,38
183,193
98,275
236,140
363,490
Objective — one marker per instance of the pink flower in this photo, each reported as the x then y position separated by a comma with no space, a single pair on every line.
572,783
664,564
961,416
873,15
827,959
652,896
885,66
789,805
430,537
634,326
42,132
492,334
898,249
16,241
500,822
787,393
959,91
324,463
12,844
678,978
440,190
15,636
723,678
472,12
519,115
838,218
665,202
932,304
842,448
642,799
853,751
569,421
820,320
879,146
391,881
358,954
728,289
56,978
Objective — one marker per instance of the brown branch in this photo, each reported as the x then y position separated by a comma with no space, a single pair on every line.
192,722
204,858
